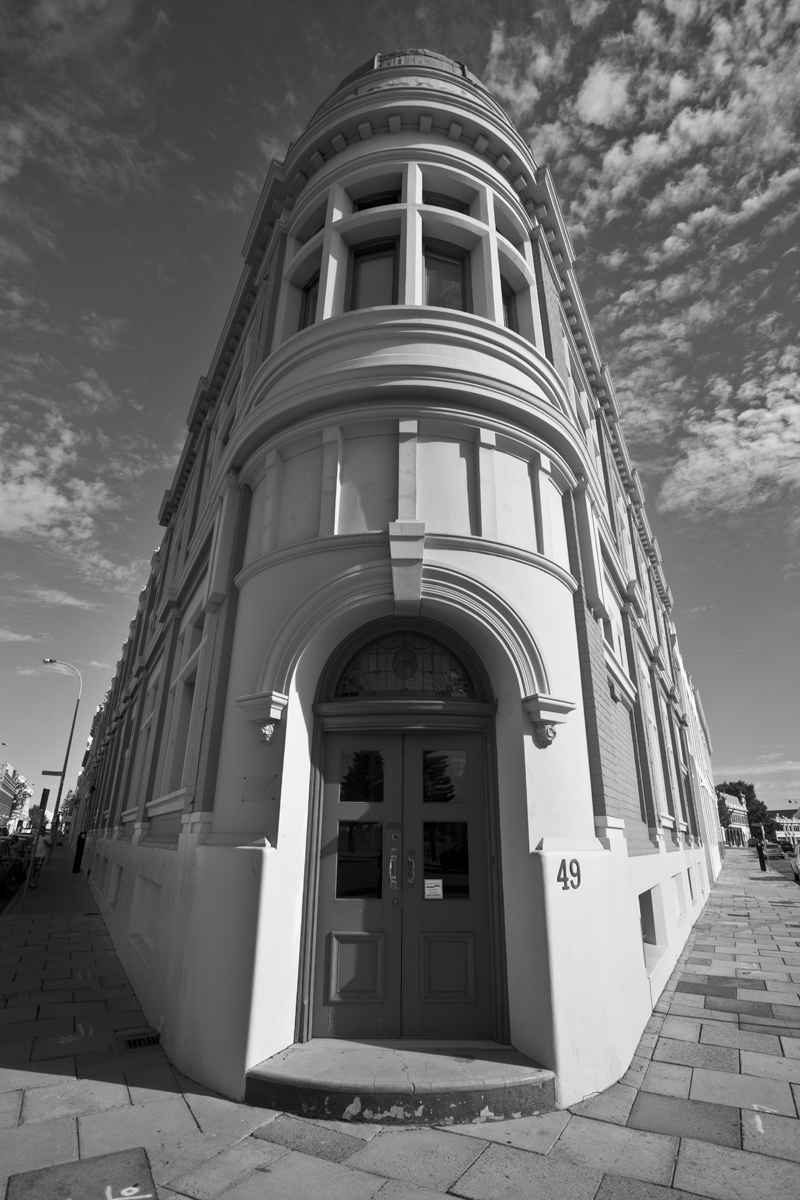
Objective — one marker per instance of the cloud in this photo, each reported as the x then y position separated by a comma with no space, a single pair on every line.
102,333
59,599
746,452
61,490
106,666
603,98
71,89
674,140
787,766
94,393
240,198
8,635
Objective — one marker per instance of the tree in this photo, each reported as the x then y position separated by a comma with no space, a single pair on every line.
757,814
724,812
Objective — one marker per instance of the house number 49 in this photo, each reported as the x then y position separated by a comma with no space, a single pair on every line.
573,879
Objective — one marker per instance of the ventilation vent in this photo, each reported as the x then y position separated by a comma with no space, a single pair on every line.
136,1039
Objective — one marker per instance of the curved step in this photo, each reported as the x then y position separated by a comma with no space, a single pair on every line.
402,1082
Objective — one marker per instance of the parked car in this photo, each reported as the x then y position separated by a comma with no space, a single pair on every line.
772,850
796,863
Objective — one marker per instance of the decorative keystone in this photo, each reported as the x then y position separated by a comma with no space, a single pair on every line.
406,552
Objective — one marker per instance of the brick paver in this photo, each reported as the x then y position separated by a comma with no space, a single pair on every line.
707,1108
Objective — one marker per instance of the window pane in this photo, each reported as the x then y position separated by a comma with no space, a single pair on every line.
446,858
444,777
444,281
361,776
359,860
374,279
438,200
377,201
308,313
509,309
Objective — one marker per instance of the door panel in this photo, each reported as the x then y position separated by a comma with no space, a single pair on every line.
403,936
357,971
446,931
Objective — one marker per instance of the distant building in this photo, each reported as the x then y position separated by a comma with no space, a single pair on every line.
8,793
400,743
738,832
788,822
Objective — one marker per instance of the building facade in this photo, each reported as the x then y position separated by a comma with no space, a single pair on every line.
738,831
400,744
8,793
787,821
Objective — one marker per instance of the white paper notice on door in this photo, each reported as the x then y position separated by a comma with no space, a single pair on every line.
434,889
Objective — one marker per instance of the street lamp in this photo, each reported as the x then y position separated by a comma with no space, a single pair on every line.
51,662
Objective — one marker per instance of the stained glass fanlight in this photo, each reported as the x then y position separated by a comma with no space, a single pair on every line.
405,665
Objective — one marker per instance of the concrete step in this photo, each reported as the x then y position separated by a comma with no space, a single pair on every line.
402,1082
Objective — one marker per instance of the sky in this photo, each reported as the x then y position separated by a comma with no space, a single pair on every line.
134,141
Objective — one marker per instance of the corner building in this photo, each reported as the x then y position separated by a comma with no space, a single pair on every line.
398,746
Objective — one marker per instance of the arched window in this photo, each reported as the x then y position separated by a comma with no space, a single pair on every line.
404,664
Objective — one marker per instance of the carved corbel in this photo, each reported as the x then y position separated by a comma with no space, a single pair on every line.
263,709
545,713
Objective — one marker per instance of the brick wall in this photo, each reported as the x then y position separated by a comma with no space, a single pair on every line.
612,752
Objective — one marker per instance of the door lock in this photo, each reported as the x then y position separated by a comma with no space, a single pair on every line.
393,884
412,867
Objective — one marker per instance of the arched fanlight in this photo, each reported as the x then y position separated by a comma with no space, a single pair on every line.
405,664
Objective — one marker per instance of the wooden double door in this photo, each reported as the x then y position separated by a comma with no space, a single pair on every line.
404,929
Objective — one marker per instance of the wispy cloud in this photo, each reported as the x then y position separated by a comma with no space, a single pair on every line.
102,333
82,133
9,635
240,198
58,598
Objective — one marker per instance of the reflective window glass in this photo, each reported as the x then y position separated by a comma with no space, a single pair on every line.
359,860
446,859
444,281
361,776
377,201
444,777
438,200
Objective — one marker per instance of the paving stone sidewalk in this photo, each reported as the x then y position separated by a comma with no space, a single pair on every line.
709,1106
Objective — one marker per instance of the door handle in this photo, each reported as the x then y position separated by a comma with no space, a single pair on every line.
412,867
393,884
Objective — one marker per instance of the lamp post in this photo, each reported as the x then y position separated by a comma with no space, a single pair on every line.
50,662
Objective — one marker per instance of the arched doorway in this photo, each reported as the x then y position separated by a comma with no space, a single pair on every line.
405,935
